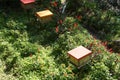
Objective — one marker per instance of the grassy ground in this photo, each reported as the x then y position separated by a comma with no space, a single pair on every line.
30,50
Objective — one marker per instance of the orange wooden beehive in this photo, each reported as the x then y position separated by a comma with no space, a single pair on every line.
44,16
80,56
27,4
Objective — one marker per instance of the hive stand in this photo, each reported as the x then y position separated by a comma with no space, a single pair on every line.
44,16
80,56
27,4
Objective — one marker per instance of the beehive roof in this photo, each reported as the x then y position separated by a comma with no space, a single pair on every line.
44,13
79,52
27,1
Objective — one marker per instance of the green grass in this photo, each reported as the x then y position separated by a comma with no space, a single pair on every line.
30,50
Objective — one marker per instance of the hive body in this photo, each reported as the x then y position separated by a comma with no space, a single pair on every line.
80,55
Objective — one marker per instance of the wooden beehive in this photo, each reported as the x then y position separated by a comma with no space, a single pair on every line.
27,4
80,56
44,16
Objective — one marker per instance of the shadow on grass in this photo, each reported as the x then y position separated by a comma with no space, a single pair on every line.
27,54
43,34
10,5
10,65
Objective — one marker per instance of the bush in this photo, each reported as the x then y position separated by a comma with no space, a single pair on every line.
29,53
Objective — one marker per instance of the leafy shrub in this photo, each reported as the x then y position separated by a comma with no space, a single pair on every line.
11,24
105,22
33,53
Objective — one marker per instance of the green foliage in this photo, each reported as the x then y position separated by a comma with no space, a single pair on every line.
100,71
11,24
30,50
96,17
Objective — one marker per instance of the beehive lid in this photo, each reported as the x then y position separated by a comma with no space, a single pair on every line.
44,13
79,52
27,1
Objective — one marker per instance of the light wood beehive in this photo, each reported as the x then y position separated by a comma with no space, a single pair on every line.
80,56
44,16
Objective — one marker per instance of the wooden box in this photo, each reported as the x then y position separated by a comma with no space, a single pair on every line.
44,16
27,4
80,56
